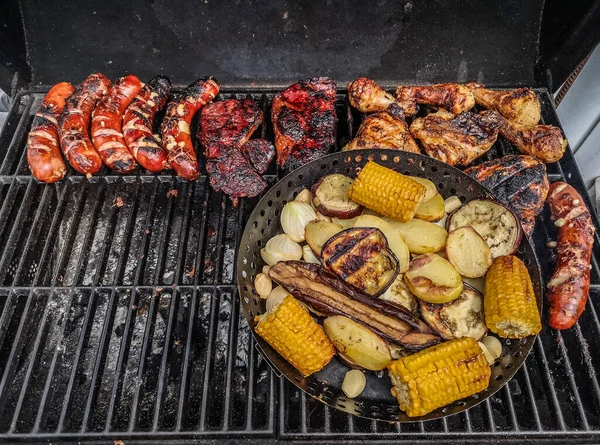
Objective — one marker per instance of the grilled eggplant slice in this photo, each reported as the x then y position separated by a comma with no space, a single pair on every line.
329,295
421,236
362,258
398,293
468,252
496,224
358,344
318,232
393,236
462,317
433,279
432,210
330,197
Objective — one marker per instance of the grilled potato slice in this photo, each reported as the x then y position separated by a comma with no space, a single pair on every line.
399,293
394,238
357,344
496,224
430,188
462,317
361,257
432,210
468,252
317,233
433,279
421,236
330,197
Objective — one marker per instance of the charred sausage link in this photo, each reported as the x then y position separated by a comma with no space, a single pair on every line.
75,121
569,287
175,131
137,124
107,124
43,151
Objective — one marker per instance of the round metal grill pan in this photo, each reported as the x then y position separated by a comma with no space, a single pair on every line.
376,402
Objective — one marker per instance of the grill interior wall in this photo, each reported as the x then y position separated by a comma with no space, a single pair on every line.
120,317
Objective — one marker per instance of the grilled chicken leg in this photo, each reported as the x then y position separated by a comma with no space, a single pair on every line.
366,96
386,129
450,96
457,140
520,106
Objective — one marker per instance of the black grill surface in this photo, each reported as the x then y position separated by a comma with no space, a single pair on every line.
120,320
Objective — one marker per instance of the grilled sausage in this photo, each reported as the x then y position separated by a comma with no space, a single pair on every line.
43,152
137,124
569,287
175,131
74,123
107,124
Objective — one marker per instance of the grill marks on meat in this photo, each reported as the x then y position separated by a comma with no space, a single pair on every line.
304,121
518,181
453,97
545,142
73,126
138,120
457,140
107,124
366,96
175,129
43,152
233,162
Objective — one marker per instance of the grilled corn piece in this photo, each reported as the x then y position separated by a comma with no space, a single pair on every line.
293,333
387,192
509,302
439,375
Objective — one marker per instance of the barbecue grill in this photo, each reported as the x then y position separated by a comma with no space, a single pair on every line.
119,311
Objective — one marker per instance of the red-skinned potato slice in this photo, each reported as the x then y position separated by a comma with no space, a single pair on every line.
330,197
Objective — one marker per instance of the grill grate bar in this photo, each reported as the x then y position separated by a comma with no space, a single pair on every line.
186,361
551,384
534,411
209,350
18,139
231,351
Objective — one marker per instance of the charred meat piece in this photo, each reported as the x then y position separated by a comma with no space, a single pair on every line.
457,140
260,153
304,121
545,142
520,182
366,96
450,96
386,129
520,106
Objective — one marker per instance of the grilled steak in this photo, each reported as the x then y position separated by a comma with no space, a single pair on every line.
259,153
304,121
520,182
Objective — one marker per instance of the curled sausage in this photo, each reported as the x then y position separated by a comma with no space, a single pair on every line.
107,124
137,124
75,121
43,151
569,286
175,130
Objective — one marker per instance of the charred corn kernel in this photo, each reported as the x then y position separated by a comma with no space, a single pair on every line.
293,333
509,302
387,192
439,375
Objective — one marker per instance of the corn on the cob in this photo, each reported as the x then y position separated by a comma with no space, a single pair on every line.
293,333
439,375
509,302
387,192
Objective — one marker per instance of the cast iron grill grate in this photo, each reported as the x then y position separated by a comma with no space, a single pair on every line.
119,319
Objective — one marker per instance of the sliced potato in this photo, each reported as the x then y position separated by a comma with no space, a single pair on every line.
357,343
430,188
395,240
497,225
330,197
468,252
462,317
431,210
318,232
345,223
400,294
433,279
421,236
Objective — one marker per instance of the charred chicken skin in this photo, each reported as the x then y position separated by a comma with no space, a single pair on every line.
520,106
457,140
385,129
518,181
450,96
545,142
304,121
366,96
